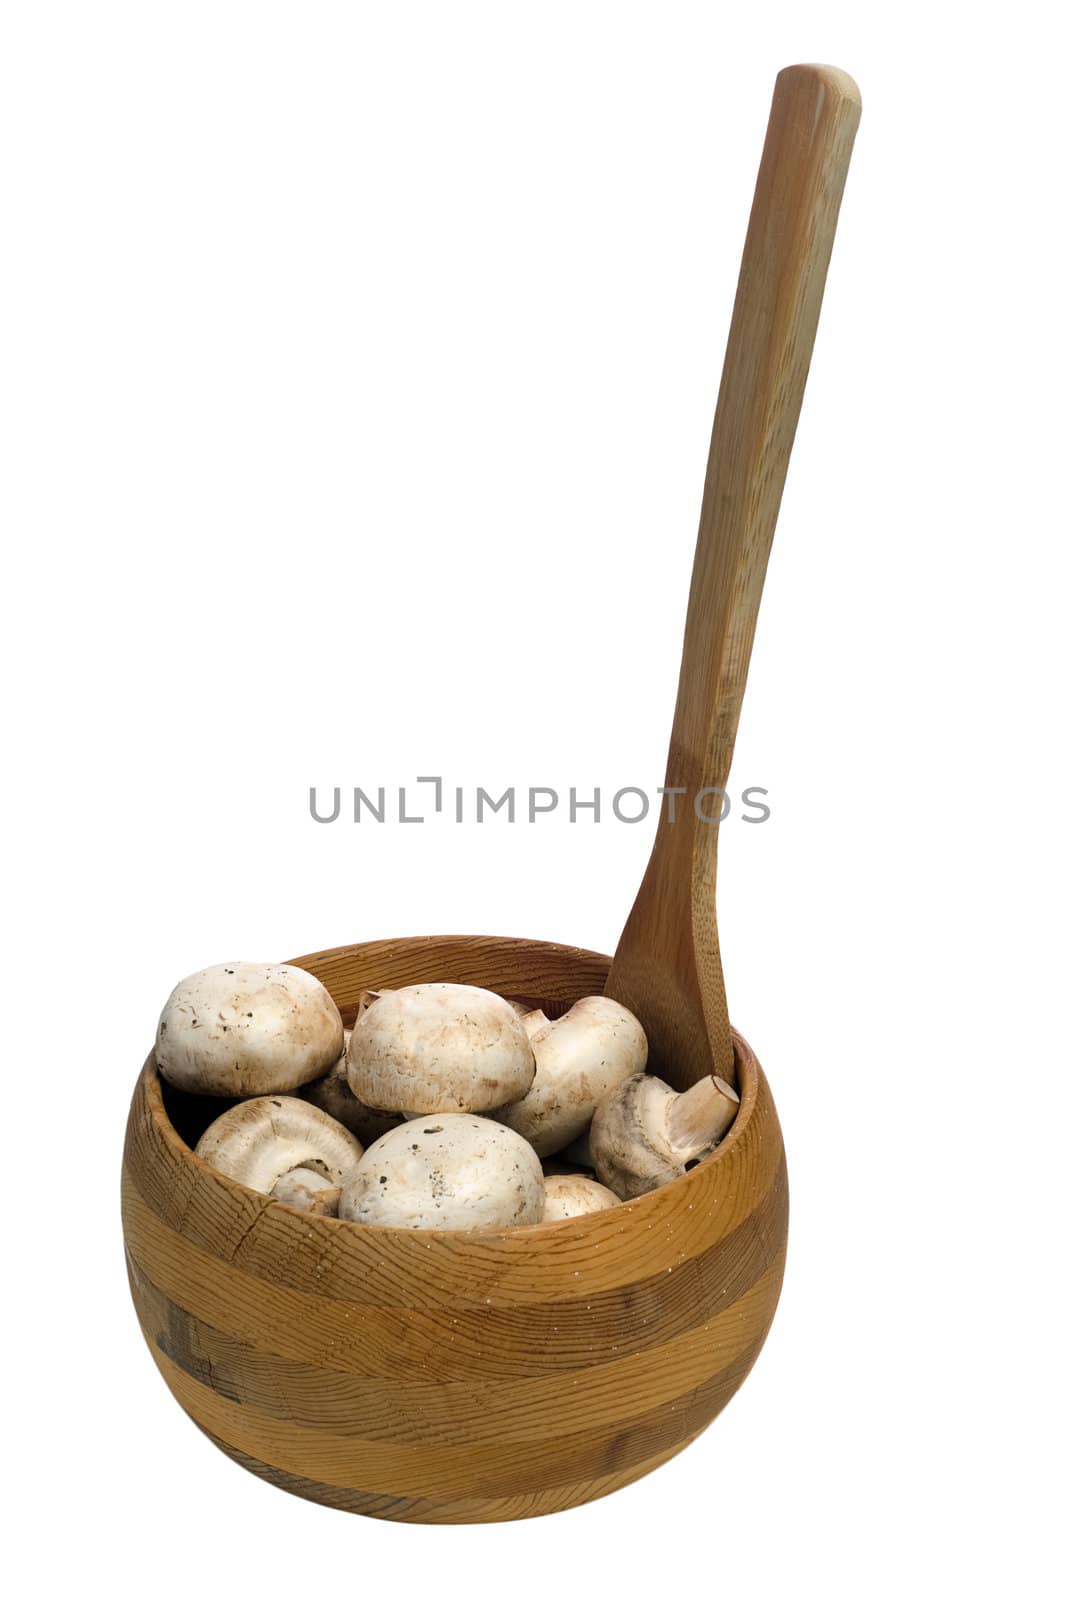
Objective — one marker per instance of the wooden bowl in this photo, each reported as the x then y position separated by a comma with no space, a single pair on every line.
453,1377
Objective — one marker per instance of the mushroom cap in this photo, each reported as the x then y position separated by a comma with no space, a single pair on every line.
246,1028
257,1141
334,1095
629,1138
580,1059
575,1196
439,1047
448,1170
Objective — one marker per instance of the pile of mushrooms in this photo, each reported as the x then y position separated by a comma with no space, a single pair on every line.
445,1106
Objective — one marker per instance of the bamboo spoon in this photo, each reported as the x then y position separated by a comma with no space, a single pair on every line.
668,963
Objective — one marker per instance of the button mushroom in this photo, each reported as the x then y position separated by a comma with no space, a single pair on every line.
244,1028
570,1195
446,1171
579,1060
435,1047
281,1146
334,1095
645,1134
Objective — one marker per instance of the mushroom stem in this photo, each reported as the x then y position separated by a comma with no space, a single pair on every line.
366,998
645,1134
700,1116
534,1022
309,1191
258,1142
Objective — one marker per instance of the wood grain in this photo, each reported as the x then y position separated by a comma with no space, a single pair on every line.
668,964
455,1376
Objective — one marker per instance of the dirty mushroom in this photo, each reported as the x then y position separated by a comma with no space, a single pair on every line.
446,1171
245,1028
280,1146
580,1059
439,1047
645,1133
334,1095
570,1195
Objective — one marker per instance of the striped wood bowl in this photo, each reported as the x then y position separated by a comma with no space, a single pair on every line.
453,1377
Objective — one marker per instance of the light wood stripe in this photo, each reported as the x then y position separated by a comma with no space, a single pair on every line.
482,1410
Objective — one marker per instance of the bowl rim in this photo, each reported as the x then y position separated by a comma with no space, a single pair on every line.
749,1074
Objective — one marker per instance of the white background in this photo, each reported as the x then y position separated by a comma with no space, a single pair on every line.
358,370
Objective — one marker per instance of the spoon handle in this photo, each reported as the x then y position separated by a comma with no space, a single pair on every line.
668,963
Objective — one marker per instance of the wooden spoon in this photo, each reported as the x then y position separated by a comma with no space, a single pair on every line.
668,963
